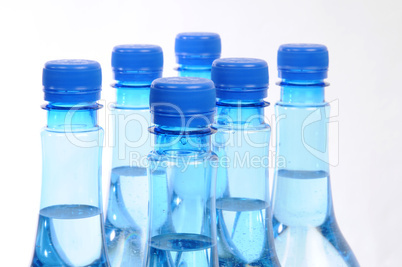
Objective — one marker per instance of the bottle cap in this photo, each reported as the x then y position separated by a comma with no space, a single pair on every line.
137,57
130,61
197,48
182,101
303,61
240,78
72,80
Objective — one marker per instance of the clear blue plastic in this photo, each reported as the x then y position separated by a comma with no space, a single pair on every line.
244,228
126,223
305,229
182,175
202,71
70,228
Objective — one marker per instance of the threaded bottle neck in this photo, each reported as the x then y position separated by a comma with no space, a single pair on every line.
72,117
302,92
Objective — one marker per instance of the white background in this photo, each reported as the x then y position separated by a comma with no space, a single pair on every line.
364,40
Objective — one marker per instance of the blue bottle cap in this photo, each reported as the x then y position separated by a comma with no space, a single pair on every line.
197,48
240,78
130,61
182,101
137,57
72,80
303,61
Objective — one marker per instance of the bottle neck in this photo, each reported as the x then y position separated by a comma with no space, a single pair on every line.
133,96
302,120
302,195
130,121
71,155
240,112
242,144
302,92
132,88
72,117
187,140
202,71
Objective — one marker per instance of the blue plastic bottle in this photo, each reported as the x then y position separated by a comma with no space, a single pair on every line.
182,174
70,228
244,228
126,227
195,52
305,229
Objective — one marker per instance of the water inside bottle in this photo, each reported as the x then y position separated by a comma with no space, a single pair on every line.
70,235
127,217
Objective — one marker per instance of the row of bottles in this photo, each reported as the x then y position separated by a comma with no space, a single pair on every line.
189,179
